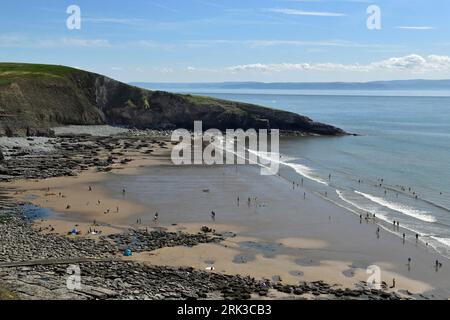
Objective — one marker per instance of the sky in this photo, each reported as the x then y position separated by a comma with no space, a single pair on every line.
233,40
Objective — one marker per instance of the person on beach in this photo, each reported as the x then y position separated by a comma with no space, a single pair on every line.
90,188
302,181
249,201
404,238
117,209
304,195
393,284
417,237
156,217
329,177
124,191
238,201
213,215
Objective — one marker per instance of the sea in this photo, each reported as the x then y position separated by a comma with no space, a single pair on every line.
397,167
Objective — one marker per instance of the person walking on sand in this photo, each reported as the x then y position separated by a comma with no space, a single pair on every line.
304,195
156,217
213,215
393,284
238,201
302,182
90,188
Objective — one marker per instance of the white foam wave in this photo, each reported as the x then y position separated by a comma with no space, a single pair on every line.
371,210
415,213
444,241
274,157
306,172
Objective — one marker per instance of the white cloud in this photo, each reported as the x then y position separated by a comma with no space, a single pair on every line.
296,12
413,63
122,21
415,27
19,41
78,42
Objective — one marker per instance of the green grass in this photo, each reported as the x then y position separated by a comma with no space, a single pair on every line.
10,71
29,68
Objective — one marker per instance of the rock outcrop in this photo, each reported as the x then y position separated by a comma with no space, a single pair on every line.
34,98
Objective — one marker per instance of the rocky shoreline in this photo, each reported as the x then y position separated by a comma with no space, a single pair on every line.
33,264
66,155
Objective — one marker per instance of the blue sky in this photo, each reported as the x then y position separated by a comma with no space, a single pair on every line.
231,40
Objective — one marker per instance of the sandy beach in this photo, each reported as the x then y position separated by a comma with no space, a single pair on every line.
277,235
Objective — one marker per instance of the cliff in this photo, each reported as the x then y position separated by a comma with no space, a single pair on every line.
34,98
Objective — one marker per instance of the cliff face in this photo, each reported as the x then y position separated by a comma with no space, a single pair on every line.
34,98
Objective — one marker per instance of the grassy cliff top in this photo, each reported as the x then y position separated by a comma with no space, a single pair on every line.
10,71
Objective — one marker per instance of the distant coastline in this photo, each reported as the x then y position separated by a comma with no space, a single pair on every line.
418,84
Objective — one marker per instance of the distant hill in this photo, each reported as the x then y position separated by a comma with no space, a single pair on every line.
375,85
35,97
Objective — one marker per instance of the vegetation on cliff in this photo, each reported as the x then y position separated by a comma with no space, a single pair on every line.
34,98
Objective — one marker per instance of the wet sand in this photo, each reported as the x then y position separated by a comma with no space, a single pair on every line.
279,236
